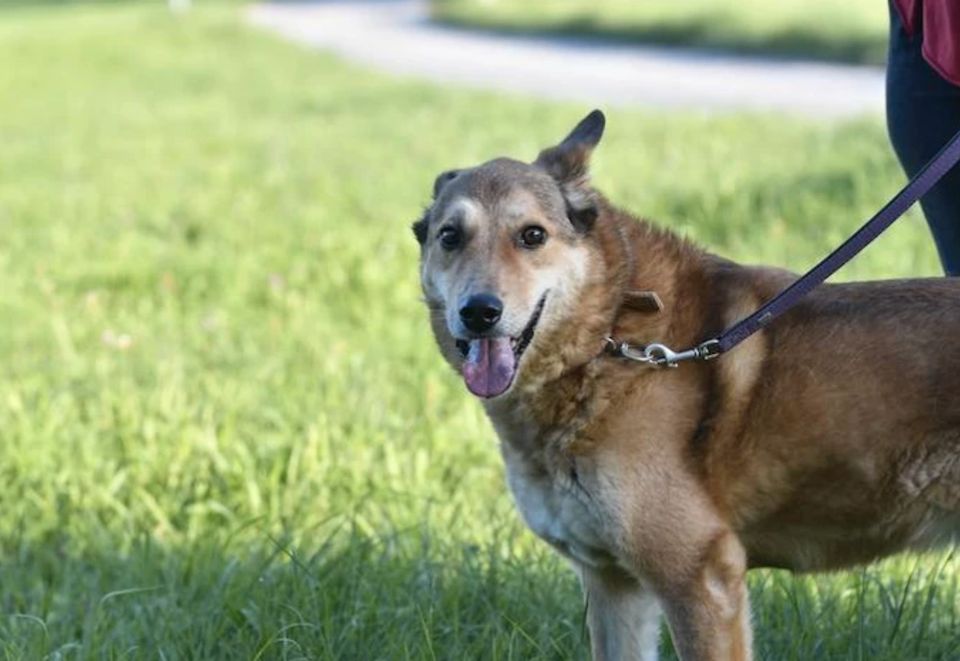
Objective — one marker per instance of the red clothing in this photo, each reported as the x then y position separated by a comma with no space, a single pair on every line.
940,20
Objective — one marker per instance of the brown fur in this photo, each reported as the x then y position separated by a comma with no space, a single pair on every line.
831,438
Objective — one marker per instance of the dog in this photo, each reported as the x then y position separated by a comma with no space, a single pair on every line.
830,438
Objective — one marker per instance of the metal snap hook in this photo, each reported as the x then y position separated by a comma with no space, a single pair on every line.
661,354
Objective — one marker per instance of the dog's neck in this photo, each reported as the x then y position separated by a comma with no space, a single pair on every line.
657,261
566,368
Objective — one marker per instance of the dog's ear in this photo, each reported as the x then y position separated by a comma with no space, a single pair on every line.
568,163
442,180
420,227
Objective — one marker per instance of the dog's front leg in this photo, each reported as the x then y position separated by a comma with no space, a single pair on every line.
708,608
622,614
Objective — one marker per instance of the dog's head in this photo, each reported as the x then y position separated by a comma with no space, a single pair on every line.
504,254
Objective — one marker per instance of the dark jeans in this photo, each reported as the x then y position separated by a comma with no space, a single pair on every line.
923,113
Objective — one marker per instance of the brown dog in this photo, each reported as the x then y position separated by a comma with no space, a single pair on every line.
828,439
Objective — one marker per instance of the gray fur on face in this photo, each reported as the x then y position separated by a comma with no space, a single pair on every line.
558,179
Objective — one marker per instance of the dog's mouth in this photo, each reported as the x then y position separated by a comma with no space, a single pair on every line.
490,363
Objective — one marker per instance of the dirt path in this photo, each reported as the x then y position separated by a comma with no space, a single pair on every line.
397,36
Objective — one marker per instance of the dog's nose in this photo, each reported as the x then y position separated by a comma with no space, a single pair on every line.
481,312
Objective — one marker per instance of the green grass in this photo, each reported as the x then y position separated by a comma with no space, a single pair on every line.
844,30
224,430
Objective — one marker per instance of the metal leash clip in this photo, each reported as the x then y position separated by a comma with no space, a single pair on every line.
660,355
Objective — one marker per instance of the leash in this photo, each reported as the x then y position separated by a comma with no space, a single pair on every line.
660,355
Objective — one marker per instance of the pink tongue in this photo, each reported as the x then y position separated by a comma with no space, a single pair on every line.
490,366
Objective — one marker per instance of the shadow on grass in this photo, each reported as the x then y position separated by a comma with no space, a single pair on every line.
354,598
797,43
404,596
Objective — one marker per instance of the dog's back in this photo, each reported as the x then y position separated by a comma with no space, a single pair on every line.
851,434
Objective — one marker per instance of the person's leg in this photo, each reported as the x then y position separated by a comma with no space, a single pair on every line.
923,113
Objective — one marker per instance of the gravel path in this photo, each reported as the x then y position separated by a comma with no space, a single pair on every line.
397,36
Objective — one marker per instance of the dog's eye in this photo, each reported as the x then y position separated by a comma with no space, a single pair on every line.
449,237
532,236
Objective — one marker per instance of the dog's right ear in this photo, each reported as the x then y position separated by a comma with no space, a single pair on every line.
568,164
420,227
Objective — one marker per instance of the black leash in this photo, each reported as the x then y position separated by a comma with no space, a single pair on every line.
920,185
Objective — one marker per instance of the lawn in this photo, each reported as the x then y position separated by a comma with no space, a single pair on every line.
224,430
844,30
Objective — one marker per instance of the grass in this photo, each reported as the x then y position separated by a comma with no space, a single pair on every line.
851,31
224,430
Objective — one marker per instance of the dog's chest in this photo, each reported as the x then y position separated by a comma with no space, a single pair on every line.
556,506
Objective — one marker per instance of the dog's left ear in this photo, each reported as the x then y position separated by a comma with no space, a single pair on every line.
568,163
420,227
